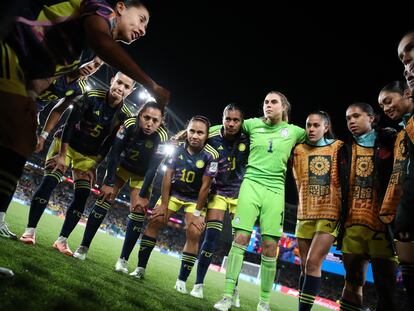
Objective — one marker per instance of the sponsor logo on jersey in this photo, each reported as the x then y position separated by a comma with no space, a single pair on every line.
284,132
237,220
242,147
200,163
220,148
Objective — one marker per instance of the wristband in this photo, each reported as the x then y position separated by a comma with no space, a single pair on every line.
44,135
197,213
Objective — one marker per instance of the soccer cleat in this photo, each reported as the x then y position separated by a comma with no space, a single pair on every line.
29,236
6,233
263,306
139,273
180,287
121,266
197,291
6,273
224,304
63,247
236,298
81,252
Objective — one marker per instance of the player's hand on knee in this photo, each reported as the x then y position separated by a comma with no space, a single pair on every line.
58,163
142,204
198,222
137,209
159,211
107,193
91,175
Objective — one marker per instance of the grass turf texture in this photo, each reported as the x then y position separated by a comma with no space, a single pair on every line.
48,280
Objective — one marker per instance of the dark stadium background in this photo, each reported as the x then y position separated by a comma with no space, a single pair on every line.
211,53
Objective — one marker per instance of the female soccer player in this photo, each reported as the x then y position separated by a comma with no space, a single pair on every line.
395,99
404,219
187,180
133,157
262,193
88,135
61,92
35,51
365,238
316,168
233,147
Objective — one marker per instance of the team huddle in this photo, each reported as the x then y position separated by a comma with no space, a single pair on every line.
358,194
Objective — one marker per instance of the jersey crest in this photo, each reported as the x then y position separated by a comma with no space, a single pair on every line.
284,132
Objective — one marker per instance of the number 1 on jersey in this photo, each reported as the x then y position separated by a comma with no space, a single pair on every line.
270,149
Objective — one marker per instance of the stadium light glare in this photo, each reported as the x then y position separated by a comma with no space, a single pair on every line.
143,95
164,168
168,149
150,99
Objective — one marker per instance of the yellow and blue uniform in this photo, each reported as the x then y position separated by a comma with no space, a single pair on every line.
60,88
37,49
188,174
135,155
90,129
231,168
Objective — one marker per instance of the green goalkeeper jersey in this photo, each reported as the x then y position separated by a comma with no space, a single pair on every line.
270,149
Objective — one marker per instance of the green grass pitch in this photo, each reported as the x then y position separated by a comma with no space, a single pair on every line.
47,280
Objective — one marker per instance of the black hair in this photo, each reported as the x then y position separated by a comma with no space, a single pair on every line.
149,104
182,135
152,104
203,119
232,107
136,3
396,87
330,134
367,108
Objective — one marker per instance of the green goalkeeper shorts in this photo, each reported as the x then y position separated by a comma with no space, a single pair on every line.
256,201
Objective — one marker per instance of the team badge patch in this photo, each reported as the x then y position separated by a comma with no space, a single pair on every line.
149,144
242,147
284,132
200,163
70,92
237,220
